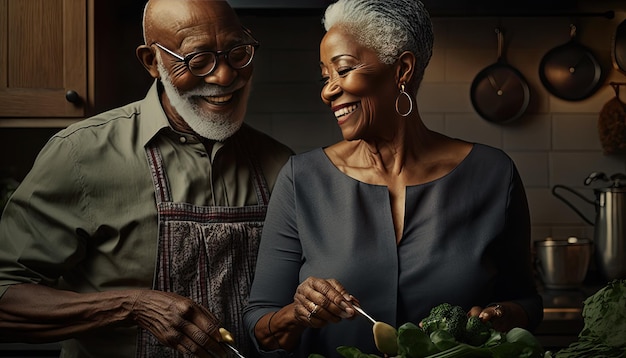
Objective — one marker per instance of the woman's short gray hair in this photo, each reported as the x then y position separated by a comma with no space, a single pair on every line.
389,27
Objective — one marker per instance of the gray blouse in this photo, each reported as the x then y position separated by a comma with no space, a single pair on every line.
466,241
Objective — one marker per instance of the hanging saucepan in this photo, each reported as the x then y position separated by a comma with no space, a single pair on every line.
570,71
500,93
619,47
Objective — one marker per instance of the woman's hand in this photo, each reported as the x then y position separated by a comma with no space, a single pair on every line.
503,315
318,302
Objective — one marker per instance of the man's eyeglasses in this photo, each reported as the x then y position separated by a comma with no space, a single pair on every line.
204,62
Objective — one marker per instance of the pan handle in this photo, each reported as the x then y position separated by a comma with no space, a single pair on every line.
595,176
572,31
500,42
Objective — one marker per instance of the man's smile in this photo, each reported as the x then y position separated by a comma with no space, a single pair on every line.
218,100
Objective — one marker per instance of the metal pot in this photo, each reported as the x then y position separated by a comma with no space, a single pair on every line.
609,224
563,263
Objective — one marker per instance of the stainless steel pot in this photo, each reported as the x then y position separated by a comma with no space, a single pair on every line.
609,224
563,263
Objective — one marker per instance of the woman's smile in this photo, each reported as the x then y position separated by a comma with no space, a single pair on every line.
344,110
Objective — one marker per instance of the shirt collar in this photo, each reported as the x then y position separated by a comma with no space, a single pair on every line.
153,118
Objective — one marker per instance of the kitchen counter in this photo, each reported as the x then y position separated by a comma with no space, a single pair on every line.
562,315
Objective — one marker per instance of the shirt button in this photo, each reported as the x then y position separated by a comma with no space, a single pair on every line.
183,139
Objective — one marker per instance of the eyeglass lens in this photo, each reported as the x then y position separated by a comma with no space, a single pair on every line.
238,57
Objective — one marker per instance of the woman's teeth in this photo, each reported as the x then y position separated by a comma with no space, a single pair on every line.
345,110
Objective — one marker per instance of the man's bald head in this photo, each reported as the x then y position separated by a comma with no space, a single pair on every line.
168,15
212,105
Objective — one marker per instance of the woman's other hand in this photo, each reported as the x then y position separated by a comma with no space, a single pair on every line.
503,316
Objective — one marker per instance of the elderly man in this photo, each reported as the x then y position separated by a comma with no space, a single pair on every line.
136,231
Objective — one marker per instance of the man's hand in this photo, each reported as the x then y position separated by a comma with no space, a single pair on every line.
178,322
37,313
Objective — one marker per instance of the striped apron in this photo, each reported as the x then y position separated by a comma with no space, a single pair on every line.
206,253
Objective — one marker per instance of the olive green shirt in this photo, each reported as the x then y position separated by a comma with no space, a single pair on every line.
85,219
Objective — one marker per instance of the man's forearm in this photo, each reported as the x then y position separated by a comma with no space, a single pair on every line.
37,314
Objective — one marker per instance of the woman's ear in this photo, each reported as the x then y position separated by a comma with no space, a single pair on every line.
147,57
406,67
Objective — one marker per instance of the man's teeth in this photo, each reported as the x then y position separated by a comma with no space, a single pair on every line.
220,99
345,110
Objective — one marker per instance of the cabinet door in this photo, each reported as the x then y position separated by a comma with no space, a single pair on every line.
43,57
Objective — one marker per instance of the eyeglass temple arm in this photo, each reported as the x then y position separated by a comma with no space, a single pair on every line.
170,52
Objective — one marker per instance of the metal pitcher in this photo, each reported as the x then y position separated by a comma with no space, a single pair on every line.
609,224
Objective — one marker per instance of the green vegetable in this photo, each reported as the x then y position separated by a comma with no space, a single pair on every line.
446,317
350,352
414,342
434,340
453,319
477,332
443,340
463,350
495,339
519,343
604,330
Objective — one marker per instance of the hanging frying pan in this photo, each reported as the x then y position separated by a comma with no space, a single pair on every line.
619,47
499,92
570,71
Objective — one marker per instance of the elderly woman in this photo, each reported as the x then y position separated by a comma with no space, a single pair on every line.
395,218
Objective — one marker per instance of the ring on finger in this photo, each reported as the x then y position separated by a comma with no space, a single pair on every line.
497,310
312,313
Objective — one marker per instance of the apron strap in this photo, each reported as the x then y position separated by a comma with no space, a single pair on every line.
161,184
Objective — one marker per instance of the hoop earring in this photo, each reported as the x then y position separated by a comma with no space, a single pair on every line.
403,92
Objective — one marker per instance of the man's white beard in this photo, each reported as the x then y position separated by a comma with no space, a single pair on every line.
210,125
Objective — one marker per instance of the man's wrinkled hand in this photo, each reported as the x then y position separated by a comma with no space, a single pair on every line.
179,322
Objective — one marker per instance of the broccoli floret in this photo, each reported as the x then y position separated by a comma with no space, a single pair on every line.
446,317
477,332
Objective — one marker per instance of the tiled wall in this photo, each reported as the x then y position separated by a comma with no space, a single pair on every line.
555,142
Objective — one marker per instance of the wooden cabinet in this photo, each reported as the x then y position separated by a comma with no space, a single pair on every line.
43,59
49,48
